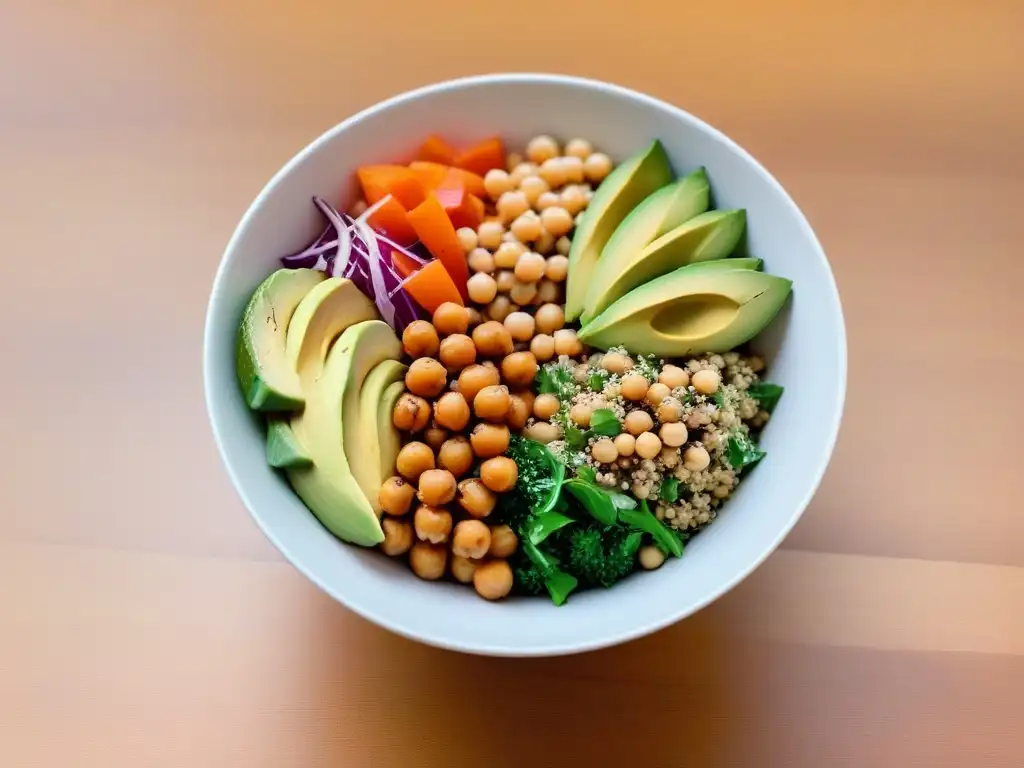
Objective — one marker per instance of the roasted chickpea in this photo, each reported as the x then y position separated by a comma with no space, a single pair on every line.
452,411
457,351
489,234
674,434
499,473
522,293
474,378
696,458
557,268
432,524
541,148
543,347
527,396
638,422
474,317
428,561
604,451
397,536
435,435
706,382
413,460
499,308
573,200
556,220
527,227
533,187
655,393
581,414
492,339
633,387
613,362
553,172
476,498
648,445
544,245
450,318
596,167
543,432
503,541
562,247
426,377
411,413
566,342
625,444
508,254
489,440
573,167
462,569
545,406
480,261
546,200
673,376
419,339
520,326
518,412
491,403
650,557
519,369
456,455
481,288
395,496
549,319
496,183
504,280
547,293
530,267
512,205
436,487
493,579
471,538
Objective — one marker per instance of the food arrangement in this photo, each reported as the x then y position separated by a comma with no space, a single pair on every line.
527,373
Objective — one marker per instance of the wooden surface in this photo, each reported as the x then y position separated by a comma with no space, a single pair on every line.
144,621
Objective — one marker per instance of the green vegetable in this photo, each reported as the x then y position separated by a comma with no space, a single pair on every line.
597,380
601,503
604,422
554,379
742,452
766,394
587,474
575,438
601,558
543,525
669,489
642,520
558,583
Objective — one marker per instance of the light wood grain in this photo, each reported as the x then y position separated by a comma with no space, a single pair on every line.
147,622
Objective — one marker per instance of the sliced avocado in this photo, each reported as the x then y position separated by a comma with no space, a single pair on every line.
268,382
623,190
710,235
326,311
328,487
283,448
390,440
660,212
363,437
694,309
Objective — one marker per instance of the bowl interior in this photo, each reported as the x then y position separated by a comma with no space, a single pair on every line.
805,348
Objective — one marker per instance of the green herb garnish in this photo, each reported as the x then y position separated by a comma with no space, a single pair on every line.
742,452
575,438
669,491
766,394
643,520
587,474
594,499
555,380
604,422
597,380
543,525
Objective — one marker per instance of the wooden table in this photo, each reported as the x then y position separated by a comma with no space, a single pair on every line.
146,622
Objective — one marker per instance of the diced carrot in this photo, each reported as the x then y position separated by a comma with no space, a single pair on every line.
463,209
430,174
396,180
474,182
482,157
403,264
436,150
392,220
435,231
431,286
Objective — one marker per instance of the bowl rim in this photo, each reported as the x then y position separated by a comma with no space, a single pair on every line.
559,648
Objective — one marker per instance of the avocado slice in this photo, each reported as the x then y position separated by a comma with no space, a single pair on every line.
329,488
326,311
622,190
694,309
283,448
660,212
363,438
268,382
707,236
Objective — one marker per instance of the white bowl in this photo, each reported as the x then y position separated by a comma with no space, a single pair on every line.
805,347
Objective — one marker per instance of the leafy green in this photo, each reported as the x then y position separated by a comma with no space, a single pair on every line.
575,438
587,474
669,489
604,422
741,451
537,488
681,536
554,379
719,398
546,523
558,583
643,520
597,380
766,394
594,499
602,557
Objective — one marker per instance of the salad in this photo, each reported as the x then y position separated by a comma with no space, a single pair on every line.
527,372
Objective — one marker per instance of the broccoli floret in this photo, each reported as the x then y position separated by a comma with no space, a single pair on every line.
600,557
528,579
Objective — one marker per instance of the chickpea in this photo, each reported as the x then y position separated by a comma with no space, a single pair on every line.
655,393
673,376
578,148
545,406
476,498
545,243
435,436
504,280
543,432
520,326
526,227
581,414
519,369
503,541
497,182
481,287
411,413
547,293
566,342
513,161
756,363
638,422
546,200
467,239
573,167
553,172
436,487
471,538
549,319
474,317
597,167
512,205
397,536
433,524
674,434
451,318
499,473
457,351
543,347
456,455
527,396
413,460
633,387
670,410
474,378
499,309
492,339
530,267
480,261
522,293
556,220
489,234
419,339
452,411
541,148
706,382
696,458
613,362
428,561
650,557
562,247
425,377
508,254
557,268
604,451
518,412
462,569
648,445
493,580
533,187
669,457
395,496
625,444
491,403
489,440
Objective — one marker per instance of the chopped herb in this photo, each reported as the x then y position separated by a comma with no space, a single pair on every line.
742,452
554,379
543,525
604,422
719,398
669,489
575,438
642,520
558,583
597,380
587,474
766,394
